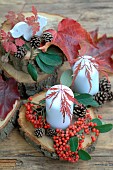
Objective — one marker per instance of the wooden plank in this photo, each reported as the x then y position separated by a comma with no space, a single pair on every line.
7,162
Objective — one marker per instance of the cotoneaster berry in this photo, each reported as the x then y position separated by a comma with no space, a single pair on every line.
82,127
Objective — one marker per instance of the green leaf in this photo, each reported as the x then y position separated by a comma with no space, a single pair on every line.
32,71
27,47
55,50
84,155
45,68
66,78
81,131
104,128
86,99
73,143
50,59
42,102
96,120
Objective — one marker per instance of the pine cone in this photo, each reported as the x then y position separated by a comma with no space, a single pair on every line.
79,110
50,132
35,41
41,110
39,132
110,96
104,85
47,37
101,97
21,52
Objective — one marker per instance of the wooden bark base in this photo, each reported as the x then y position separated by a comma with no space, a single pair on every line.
26,85
10,121
45,143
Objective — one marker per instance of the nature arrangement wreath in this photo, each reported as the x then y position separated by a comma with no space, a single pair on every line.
44,51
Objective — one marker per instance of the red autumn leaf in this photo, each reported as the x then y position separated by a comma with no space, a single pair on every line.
30,20
94,35
35,27
103,51
6,46
34,11
20,17
71,98
19,42
13,47
8,95
69,38
11,17
88,75
3,34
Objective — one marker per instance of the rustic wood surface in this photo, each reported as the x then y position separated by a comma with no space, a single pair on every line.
15,152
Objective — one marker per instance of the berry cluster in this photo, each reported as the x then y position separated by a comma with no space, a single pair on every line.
82,127
36,114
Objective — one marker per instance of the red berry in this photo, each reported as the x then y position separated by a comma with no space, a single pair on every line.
99,116
30,98
93,138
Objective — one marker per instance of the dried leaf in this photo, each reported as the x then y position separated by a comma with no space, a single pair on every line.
3,35
8,95
11,17
34,11
19,42
12,47
20,17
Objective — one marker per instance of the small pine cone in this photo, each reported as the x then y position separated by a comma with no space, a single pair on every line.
101,97
47,37
21,52
35,41
41,110
79,110
104,85
39,132
110,96
50,132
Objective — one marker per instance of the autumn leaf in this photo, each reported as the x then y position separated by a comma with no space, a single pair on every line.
11,17
12,47
20,17
5,45
8,95
94,35
19,42
35,27
103,52
32,21
69,38
3,34
34,11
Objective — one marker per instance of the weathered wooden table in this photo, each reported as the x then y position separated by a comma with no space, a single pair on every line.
15,152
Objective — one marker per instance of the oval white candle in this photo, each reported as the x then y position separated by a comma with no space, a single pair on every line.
81,83
53,115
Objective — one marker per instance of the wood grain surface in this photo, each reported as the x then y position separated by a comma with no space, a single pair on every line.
15,152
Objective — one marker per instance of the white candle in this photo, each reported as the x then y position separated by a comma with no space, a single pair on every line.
81,83
53,115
